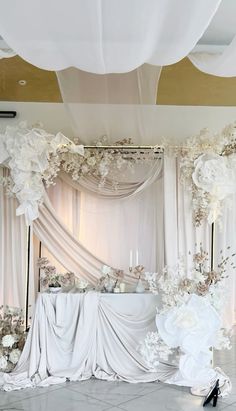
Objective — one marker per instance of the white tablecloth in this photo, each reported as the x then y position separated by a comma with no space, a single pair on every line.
76,336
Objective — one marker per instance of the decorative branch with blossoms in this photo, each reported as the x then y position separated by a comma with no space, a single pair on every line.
12,337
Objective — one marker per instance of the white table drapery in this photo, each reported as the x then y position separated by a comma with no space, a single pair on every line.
77,336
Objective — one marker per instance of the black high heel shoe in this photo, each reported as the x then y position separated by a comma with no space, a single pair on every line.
212,395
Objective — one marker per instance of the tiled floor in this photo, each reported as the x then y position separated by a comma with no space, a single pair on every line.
96,395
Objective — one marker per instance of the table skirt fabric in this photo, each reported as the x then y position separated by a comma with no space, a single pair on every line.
77,336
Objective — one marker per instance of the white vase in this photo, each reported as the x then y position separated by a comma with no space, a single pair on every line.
140,287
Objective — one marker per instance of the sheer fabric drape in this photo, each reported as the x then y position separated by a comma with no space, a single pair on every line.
138,86
104,37
106,226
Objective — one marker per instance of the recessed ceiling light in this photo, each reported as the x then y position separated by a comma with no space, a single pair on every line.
22,82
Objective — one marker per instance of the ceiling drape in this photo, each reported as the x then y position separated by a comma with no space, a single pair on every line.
106,36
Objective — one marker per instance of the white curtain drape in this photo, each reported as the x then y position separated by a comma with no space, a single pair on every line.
180,234
104,37
103,224
224,237
13,254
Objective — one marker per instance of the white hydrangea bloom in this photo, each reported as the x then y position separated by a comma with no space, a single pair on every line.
8,340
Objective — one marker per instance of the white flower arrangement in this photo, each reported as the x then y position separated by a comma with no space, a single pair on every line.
12,337
50,278
189,321
109,279
35,158
208,169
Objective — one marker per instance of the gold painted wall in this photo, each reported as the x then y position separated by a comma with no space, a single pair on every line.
180,84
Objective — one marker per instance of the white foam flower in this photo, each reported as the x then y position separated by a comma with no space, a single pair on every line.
214,175
191,326
8,340
82,284
3,363
14,356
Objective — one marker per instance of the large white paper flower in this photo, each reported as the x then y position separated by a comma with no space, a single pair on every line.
191,326
213,173
14,356
8,340
3,363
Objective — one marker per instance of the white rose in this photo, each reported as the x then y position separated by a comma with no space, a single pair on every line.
3,363
91,161
8,340
191,326
85,169
14,356
213,173
82,284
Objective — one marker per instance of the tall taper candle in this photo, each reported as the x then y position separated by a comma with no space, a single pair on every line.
131,258
136,257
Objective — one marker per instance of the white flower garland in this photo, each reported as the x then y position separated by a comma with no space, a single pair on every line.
207,165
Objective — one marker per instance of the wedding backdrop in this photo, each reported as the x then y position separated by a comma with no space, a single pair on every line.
117,249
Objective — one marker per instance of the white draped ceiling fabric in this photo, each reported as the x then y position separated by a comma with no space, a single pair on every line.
110,37
104,37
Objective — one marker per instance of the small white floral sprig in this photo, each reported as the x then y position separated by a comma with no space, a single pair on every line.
12,337
151,279
96,161
154,350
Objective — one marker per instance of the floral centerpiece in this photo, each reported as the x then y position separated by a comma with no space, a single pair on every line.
189,320
49,278
12,337
110,278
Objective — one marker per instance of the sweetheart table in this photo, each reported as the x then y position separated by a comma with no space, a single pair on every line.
76,336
